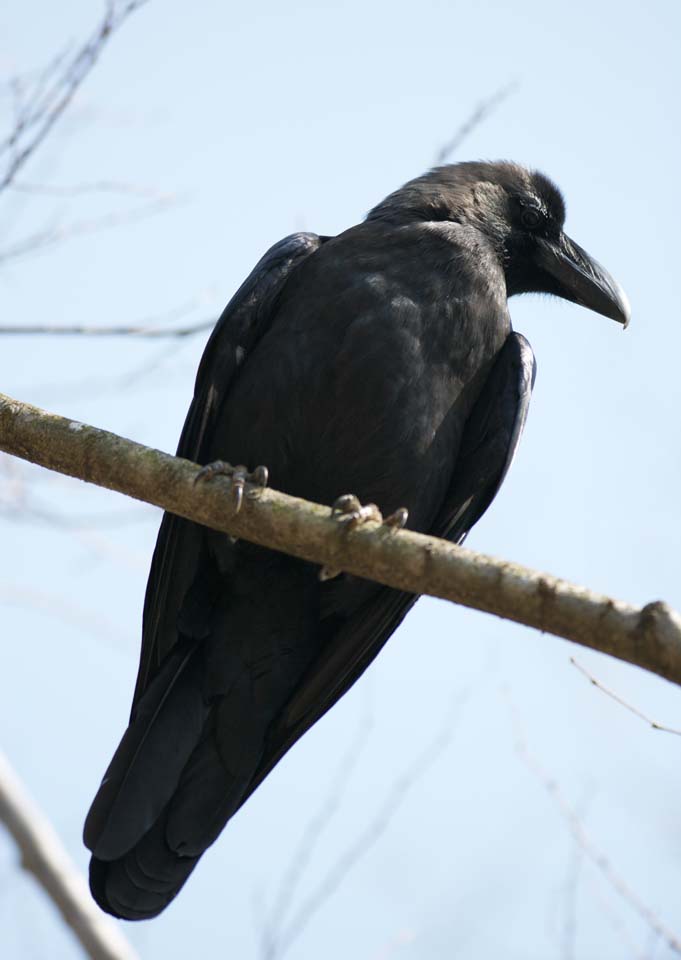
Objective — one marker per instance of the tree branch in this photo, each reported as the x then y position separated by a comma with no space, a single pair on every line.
43,855
584,841
123,330
649,637
51,236
50,97
479,114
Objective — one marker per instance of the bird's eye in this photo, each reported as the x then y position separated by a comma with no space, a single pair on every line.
531,217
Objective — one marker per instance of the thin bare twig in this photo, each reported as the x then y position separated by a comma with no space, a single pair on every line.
569,931
115,519
586,844
367,838
614,696
87,189
54,92
288,885
606,902
26,94
18,503
43,855
49,237
479,114
569,926
71,330
153,328
57,607
147,373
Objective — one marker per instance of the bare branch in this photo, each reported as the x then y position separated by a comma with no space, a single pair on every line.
569,938
26,97
77,330
86,189
370,835
288,886
584,841
649,637
611,693
50,236
36,117
43,855
479,114
32,513
56,606
152,327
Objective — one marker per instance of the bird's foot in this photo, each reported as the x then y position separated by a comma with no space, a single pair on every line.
240,476
348,509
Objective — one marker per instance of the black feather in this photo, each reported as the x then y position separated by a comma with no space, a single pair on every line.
380,362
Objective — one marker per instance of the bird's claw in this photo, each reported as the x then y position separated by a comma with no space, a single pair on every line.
348,509
258,478
240,476
398,519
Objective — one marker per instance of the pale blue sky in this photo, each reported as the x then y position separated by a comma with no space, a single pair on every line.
262,120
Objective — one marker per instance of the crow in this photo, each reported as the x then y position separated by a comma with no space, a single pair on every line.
377,365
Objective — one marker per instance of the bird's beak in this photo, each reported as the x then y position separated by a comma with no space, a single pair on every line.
577,277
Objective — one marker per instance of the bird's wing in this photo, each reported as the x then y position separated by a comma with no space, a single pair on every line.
490,439
244,320
488,446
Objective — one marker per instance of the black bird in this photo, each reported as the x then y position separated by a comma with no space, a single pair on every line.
381,362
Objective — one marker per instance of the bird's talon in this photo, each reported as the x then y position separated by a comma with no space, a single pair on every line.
238,481
346,505
348,509
371,512
259,478
239,475
214,469
398,519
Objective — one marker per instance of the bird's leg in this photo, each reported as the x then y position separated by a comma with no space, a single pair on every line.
239,476
348,509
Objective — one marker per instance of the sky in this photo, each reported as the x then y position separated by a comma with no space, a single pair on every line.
469,784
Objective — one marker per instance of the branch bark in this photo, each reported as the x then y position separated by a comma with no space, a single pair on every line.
649,637
43,855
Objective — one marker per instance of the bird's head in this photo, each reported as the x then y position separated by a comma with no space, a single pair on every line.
521,213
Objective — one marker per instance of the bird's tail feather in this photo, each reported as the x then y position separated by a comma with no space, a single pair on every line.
167,794
148,763
139,884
